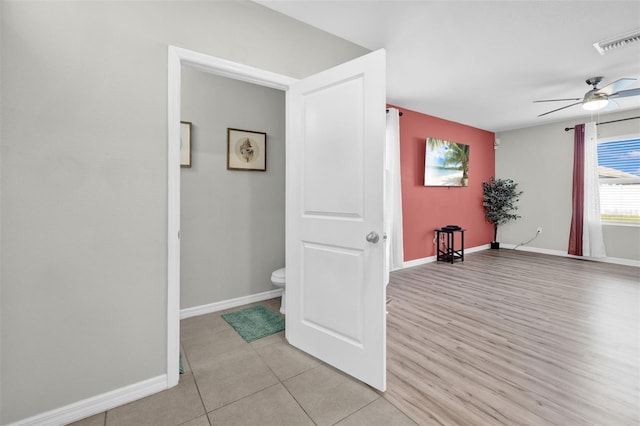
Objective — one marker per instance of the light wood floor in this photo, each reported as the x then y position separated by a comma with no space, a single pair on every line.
511,337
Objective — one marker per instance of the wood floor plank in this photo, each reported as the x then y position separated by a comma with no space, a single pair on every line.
515,338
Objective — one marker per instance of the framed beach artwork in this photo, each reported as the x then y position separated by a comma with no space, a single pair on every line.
246,150
185,144
446,163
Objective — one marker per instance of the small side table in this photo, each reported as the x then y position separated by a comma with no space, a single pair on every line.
448,253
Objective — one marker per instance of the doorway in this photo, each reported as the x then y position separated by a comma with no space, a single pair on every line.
232,221
178,57
339,110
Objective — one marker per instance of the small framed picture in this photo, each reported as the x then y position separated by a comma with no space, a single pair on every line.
246,150
185,144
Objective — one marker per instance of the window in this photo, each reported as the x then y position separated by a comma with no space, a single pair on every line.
619,172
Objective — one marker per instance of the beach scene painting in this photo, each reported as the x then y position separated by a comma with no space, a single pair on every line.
446,163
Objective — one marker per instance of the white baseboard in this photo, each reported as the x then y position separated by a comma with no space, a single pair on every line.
96,404
533,249
417,262
226,304
100,403
477,248
424,260
615,260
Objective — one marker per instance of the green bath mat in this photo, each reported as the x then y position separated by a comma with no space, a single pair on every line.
254,323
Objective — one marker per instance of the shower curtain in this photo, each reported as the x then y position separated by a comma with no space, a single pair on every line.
393,193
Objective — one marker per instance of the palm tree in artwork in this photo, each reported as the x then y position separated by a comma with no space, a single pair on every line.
456,154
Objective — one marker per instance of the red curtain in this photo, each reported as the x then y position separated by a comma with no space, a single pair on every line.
577,199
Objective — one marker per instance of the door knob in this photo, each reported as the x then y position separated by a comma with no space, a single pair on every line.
373,237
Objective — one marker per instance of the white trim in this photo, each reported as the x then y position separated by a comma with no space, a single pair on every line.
610,223
614,260
627,137
233,70
178,57
227,304
425,260
417,262
533,249
97,404
477,248
173,217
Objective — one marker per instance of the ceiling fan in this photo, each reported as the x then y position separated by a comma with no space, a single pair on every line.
596,99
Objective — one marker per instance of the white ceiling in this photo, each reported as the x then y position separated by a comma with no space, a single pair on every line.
482,63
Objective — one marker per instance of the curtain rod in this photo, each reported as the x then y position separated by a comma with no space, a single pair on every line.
399,112
566,129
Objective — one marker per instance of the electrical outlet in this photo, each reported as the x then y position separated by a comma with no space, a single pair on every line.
539,230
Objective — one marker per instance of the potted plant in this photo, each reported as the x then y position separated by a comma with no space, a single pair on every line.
500,197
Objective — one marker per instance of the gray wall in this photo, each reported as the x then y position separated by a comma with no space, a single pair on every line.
0,219
232,222
540,159
84,180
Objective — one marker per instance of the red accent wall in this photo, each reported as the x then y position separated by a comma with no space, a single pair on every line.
426,208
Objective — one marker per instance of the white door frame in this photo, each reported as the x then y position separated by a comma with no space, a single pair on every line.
177,57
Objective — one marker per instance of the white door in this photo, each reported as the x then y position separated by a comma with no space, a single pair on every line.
335,247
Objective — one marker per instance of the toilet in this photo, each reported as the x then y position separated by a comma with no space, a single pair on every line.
278,279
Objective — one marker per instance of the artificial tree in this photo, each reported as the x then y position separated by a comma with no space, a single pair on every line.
500,197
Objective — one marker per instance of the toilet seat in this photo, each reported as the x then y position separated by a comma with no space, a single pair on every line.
278,279
279,276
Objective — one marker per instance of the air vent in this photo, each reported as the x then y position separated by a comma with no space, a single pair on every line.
626,39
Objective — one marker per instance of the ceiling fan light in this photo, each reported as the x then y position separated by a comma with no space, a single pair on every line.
595,104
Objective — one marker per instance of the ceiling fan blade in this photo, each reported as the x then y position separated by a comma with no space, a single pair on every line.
625,93
555,100
554,110
616,86
612,105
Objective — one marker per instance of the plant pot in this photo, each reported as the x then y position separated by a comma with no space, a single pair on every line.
495,245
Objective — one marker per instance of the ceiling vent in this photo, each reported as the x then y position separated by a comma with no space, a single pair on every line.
622,40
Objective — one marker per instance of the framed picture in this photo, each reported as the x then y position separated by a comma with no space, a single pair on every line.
446,163
185,144
246,150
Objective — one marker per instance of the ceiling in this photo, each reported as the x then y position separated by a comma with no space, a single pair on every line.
482,63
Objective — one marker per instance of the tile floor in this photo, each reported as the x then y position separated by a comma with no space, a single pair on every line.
267,382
